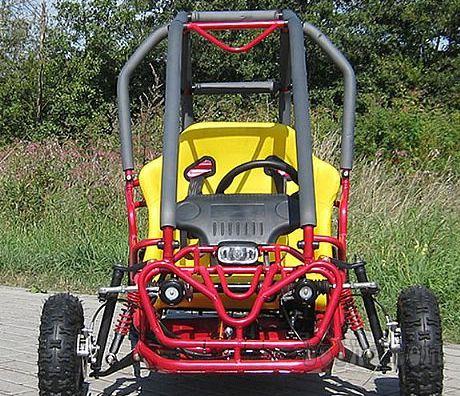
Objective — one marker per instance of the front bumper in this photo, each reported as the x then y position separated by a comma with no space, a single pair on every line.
233,357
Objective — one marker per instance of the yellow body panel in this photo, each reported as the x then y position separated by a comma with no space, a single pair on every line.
231,144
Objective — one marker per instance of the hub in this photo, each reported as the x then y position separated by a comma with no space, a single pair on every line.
172,292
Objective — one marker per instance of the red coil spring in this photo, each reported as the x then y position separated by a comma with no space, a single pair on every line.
352,315
125,318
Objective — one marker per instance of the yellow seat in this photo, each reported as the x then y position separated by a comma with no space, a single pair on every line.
231,144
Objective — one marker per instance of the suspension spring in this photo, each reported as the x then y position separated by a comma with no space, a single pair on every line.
125,318
352,315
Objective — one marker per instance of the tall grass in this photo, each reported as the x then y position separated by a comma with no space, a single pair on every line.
406,226
62,222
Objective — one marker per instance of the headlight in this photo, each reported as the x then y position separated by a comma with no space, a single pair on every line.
240,253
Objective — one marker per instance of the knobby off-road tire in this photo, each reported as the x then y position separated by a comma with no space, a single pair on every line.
421,358
59,368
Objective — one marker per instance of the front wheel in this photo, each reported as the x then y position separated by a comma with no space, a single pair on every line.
420,361
60,370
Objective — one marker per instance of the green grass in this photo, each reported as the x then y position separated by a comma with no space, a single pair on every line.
62,223
407,227
74,251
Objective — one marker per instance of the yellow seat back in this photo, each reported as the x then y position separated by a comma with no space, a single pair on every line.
231,144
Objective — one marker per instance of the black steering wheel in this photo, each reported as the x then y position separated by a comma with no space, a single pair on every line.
272,163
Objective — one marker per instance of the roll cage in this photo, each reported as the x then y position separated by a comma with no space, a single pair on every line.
292,86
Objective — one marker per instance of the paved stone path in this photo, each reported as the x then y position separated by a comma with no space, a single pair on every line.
19,320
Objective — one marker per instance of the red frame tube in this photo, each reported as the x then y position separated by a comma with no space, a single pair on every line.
308,251
239,296
168,243
343,215
317,364
203,28
235,25
131,209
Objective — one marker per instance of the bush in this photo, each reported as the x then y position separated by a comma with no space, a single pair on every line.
410,136
62,221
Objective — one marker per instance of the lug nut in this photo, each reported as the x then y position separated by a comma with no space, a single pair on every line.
111,359
368,354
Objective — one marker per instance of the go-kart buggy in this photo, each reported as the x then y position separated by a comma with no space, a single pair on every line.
241,271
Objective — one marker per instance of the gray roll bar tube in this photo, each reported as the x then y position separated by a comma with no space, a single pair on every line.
232,16
172,124
235,87
307,206
349,102
124,113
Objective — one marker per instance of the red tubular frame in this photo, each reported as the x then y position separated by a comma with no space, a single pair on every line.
343,214
331,321
131,183
266,291
329,328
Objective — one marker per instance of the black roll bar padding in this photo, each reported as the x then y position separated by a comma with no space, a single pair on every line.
232,16
237,87
307,205
171,128
124,113
349,102
284,105
187,116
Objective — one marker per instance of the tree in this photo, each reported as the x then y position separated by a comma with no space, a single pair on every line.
64,82
18,37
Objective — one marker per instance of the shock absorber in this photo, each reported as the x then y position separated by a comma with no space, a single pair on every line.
122,326
355,321
106,322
